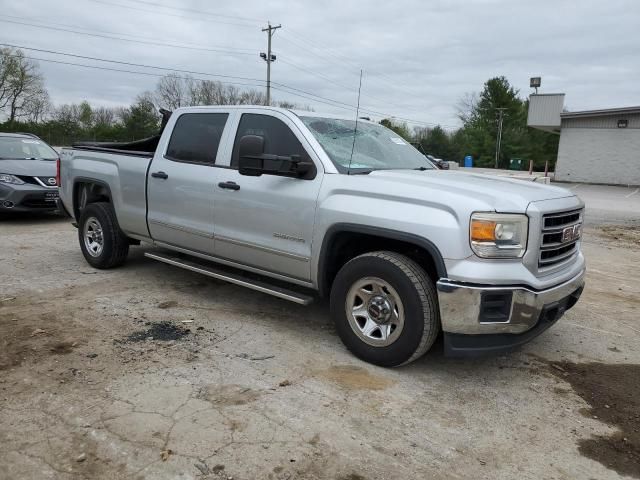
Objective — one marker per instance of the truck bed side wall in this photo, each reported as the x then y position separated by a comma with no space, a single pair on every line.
124,175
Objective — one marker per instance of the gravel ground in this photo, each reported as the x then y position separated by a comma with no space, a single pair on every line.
152,372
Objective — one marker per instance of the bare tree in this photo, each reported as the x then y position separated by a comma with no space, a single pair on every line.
104,117
22,85
174,91
39,108
171,92
206,92
467,106
420,133
7,67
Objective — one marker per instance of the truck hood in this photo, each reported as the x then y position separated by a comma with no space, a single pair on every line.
30,168
496,193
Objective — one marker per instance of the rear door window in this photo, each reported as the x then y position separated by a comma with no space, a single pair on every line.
196,138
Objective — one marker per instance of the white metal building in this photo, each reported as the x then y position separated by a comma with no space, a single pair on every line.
596,146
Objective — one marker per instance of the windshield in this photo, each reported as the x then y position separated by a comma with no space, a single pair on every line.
25,148
375,147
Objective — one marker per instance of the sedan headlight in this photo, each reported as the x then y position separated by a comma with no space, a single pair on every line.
499,235
12,179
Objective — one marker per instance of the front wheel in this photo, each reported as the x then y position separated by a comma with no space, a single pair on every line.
102,242
385,308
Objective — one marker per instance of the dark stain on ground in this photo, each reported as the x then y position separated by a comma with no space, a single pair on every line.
627,235
162,331
228,395
62,348
168,304
29,338
613,394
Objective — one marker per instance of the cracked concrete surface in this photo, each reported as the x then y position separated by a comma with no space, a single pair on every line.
303,409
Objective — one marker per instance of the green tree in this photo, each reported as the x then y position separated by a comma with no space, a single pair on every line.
480,115
400,128
141,119
85,115
436,142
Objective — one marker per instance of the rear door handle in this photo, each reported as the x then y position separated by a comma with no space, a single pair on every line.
161,175
229,185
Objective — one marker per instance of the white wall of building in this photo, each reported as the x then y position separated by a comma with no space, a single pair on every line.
598,155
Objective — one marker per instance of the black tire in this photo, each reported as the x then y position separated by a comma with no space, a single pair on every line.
115,245
419,300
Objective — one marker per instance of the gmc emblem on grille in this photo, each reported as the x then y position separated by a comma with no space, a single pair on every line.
570,234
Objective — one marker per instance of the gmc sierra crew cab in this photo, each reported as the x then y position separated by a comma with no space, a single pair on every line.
301,204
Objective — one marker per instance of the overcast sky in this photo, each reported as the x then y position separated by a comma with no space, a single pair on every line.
419,56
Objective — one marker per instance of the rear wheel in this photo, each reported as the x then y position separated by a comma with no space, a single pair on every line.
385,308
102,242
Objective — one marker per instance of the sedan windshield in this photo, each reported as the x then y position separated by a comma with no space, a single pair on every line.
375,147
25,148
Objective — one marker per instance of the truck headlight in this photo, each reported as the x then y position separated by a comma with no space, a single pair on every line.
498,235
12,179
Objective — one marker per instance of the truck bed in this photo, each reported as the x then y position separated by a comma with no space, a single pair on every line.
138,148
122,171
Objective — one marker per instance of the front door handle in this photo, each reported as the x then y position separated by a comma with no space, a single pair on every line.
161,175
229,185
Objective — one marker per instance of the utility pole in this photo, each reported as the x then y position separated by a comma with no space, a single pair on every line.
499,136
269,57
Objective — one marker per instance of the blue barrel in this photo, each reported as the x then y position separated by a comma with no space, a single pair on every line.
468,161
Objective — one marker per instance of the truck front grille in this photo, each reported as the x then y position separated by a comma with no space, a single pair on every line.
561,233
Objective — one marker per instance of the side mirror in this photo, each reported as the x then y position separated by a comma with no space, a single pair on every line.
250,151
254,162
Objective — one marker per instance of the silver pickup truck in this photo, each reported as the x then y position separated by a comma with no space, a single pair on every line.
299,205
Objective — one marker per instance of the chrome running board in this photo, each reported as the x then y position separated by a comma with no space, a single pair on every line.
232,277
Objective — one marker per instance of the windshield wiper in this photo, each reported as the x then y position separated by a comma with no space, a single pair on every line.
359,172
422,169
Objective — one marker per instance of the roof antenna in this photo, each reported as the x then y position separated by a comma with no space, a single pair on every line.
355,130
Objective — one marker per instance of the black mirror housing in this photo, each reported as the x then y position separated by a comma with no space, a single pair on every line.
250,150
254,162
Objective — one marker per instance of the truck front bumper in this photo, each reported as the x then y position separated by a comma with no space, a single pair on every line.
478,319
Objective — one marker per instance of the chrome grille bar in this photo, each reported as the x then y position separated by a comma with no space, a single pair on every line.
553,250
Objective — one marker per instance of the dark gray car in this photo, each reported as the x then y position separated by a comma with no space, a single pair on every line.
27,174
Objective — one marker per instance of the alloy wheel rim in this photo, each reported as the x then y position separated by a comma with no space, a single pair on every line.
93,237
375,311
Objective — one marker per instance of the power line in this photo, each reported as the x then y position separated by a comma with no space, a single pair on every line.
158,75
193,10
148,74
41,23
171,14
281,87
391,81
316,74
330,80
330,59
278,86
131,64
113,37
